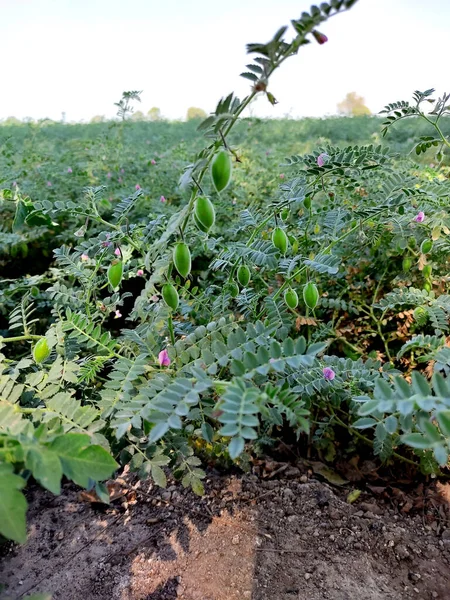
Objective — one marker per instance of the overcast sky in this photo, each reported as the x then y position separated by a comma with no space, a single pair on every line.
77,56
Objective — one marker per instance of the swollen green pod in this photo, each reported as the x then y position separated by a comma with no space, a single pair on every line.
221,170
311,295
233,289
427,271
291,298
170,296
407,264
115,273
307,202
243,275
41,351
280,240
204,212
426,246
182,259
285,214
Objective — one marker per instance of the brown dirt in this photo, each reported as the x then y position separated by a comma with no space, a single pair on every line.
288,539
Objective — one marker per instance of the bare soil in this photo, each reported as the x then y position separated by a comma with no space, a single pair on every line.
287,538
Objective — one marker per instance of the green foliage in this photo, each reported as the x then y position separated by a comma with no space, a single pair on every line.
415,414
134,370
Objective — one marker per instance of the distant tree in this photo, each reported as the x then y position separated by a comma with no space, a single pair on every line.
195,113
11,121
353,105
138,116
98,119
154,114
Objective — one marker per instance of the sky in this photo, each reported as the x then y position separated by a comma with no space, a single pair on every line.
78,56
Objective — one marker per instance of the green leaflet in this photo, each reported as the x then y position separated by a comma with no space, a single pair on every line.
80,461
13,505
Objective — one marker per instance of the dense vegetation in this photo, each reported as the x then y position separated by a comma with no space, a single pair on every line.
292,282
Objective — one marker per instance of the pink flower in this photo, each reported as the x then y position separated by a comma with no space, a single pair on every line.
163,358
153,161
117,314
140,273
122,171
321,38
137,186
69,170
328,373
420,217
117,252
49,184
84,257
282,175
14,183
162,199
154,298
322,159
106,243
108,175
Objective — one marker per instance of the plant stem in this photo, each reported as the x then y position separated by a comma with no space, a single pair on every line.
20,338
367,440
171,332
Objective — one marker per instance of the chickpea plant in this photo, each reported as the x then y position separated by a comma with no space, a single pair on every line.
291,319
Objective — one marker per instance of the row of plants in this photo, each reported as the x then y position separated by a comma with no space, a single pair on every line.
308,298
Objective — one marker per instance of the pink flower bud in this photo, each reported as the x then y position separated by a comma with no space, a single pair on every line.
137,186
120,180
84,257
282,175
117,314
69,170
122,171
163,358
321,38
14,183
420,217
108,175
328,373
49,184
140,273
322,159
117,252
153,161
162,199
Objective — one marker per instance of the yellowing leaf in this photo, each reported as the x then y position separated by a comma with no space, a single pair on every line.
353,496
